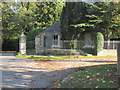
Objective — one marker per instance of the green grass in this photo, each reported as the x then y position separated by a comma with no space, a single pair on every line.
42,57
102,76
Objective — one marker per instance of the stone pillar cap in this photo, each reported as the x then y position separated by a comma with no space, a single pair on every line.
41,32
22,34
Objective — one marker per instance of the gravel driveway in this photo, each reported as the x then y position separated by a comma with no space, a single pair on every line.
23,73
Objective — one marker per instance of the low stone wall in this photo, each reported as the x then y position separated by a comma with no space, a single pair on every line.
64,52
108,52
30,52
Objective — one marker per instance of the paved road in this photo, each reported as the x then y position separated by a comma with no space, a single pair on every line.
23,73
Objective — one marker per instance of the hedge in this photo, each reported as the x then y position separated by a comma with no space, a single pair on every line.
31,37
99,42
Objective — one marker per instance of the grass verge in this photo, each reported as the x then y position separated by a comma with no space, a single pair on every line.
40,57
102,76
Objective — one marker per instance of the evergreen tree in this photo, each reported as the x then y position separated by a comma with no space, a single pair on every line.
47,13
80,17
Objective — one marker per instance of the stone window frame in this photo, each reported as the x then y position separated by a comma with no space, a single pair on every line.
56,42
88,46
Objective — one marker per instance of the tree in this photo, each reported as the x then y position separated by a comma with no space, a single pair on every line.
116,20
7,21
24,16
19,17
16,18
109,10
70,15
47,13
98,16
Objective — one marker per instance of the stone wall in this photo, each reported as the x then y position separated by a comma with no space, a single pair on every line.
88,41
8,53
31,51
64,52
39,43
48,39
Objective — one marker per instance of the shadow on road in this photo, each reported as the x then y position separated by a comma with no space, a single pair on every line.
23,73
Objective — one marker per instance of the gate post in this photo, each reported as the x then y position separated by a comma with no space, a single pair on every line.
118,55
22,44
118,64
39,43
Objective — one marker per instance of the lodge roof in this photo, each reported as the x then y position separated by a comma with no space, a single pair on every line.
55,27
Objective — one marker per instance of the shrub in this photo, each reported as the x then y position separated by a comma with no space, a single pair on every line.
99,42
70,44
31,37
30,45
89,50
10,45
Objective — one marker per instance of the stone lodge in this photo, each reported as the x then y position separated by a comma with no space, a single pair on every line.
50,40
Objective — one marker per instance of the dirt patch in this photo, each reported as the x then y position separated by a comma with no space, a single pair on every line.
65,64
96,58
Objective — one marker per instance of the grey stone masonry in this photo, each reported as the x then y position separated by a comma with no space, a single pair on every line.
22,44
39,43
118,55
88,41
49,34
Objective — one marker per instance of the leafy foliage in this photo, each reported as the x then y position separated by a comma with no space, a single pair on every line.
7,25
10,45
47,13
31,37
22,17
98,16
89,50
99,42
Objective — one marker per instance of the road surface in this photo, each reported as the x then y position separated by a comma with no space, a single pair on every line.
23,73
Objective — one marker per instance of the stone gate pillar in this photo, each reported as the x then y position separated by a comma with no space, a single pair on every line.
22,44
39,43
118,55
88,41
118,64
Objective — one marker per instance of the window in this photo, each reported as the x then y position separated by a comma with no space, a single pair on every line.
88,41
55,37
56,40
